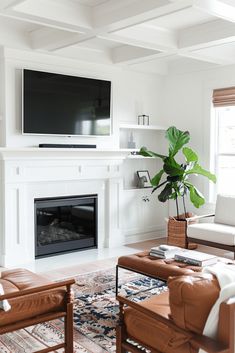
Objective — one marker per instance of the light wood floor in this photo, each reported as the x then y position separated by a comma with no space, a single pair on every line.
111,262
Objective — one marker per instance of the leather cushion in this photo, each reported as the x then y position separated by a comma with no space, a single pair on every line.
152,333
191,299
31,305
150,265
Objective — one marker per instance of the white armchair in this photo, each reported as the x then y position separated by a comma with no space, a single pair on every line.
221,232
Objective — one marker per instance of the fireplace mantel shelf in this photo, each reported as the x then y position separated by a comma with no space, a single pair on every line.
61,153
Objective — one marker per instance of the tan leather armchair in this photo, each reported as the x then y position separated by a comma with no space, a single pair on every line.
34,299
173,321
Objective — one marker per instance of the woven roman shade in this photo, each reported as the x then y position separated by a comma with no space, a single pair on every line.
224,96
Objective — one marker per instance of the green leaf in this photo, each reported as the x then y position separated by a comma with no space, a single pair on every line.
165,193
196,196
173,179
190,155
146,153
156,179
177,139
197,169
172,168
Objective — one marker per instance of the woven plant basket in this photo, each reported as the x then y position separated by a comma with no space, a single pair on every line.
177,231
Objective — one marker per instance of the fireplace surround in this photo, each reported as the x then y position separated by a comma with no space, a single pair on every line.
64,224
34,173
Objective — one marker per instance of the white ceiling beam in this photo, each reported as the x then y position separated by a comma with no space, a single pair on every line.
128,41
126,13
129,54
211,33
216,8
7,4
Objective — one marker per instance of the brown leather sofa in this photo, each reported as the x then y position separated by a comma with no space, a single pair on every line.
33,300
173,321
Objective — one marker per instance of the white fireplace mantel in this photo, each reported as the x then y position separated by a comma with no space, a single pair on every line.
31,173
62,153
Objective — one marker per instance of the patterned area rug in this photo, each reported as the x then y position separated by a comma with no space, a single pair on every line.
95,315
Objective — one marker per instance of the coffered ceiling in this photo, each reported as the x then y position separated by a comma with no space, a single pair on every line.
153,36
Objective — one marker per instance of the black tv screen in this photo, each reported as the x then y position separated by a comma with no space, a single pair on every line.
58,104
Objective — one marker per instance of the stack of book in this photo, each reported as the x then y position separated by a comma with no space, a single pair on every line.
196,258
165,251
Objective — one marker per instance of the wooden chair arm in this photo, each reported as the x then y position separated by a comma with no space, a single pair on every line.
38,289
195,218
198,341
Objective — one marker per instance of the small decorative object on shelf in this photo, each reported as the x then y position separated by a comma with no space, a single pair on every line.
143,119
144,179
146,119
131,143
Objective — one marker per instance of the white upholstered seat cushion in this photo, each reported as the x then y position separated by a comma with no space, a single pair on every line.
214,232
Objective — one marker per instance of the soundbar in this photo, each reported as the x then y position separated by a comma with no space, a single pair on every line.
58,145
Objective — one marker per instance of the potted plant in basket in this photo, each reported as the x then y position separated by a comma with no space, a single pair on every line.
173,181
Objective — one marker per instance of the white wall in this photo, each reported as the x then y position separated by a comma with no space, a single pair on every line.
187,105
133,93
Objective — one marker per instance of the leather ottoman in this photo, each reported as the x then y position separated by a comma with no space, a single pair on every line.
152,266
34,299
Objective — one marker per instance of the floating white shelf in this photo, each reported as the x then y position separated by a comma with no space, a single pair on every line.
137,189
133,156
141,127
137,156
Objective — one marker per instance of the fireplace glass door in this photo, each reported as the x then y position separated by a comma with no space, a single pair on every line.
65,224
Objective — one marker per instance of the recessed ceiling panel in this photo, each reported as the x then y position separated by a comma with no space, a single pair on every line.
229,2
222,52
181,19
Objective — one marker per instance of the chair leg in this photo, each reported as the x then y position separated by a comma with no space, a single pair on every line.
121,334
116,289
120,338
68,329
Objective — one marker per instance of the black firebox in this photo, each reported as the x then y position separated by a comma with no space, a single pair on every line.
65,224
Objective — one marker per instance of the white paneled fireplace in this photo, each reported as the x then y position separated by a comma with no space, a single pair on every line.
31,174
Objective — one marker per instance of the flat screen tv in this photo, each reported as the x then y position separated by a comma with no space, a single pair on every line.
55,104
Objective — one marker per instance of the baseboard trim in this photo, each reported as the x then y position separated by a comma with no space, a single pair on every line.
130,238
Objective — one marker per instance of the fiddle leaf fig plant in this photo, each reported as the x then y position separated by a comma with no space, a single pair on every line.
173,179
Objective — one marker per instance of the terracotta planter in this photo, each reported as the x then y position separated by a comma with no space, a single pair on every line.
177,231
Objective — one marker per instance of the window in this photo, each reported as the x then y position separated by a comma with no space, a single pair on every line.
225,149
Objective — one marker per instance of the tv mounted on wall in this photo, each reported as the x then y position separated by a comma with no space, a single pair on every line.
55,104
